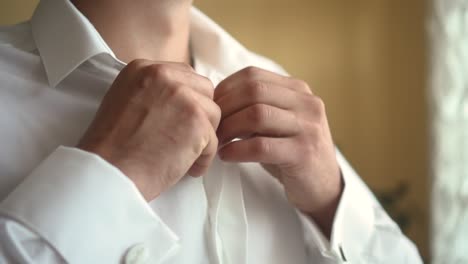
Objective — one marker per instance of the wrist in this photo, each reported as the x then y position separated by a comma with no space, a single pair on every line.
148,186
325,216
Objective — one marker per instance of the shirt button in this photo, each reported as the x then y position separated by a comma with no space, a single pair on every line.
138,254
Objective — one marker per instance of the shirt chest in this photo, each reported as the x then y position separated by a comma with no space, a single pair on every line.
38,118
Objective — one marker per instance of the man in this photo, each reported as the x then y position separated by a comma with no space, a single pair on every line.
108,106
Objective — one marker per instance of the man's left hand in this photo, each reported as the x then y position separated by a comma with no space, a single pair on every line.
283,126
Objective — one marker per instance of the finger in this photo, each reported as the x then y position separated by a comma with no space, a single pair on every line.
258,92
201,165
160,74
257,74
138,64
265,150
199,83
258,119
211,109
180,65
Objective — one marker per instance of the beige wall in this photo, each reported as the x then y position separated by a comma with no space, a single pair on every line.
12,11
366,58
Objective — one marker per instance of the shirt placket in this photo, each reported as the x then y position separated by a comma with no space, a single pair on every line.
227,218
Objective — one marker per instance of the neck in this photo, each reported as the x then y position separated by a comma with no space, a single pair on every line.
156,30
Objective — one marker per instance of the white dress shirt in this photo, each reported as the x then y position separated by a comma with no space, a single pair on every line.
63,205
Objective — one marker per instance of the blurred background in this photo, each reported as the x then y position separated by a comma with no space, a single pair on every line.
367,60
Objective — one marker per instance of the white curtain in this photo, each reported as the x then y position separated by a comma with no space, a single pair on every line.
449,112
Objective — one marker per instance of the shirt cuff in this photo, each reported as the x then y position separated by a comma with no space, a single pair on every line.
353,224
88,210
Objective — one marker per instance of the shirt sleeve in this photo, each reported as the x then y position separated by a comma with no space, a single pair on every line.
362,231
77,208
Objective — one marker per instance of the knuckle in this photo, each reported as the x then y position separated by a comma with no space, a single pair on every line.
196,137
208,84
186,66
257,89
210,93
251,71
313,134
133,72
317,106
261,147
199,139
315,129
198,133
217,114
177,92
215,143
151,74
303,85
209,144
260,113
194,112
158,71
136,64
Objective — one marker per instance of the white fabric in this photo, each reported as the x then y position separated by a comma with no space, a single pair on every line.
448,97
63,205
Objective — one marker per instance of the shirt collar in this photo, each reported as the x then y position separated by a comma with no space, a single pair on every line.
65,39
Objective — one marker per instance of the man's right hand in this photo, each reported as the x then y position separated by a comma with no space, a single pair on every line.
156,123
